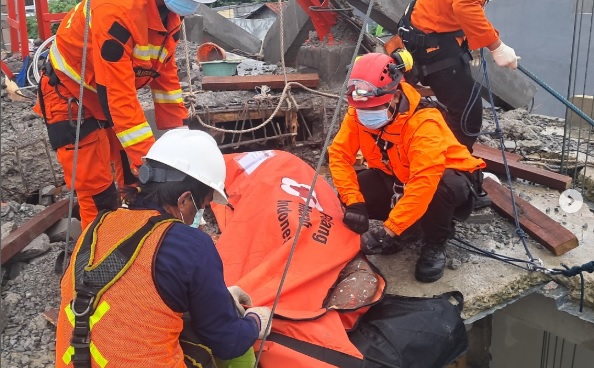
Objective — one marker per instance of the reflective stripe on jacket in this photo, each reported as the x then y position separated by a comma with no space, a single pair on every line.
441,16
128,48
131,325
420,148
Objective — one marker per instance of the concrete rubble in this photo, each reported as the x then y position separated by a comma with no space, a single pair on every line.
30,286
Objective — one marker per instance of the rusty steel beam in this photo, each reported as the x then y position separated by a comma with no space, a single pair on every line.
21,237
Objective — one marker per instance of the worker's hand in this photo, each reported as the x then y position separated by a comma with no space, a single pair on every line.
505,56
240,298
356,217
378,241
262,316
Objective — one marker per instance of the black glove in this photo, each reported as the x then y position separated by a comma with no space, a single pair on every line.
356,217
377,241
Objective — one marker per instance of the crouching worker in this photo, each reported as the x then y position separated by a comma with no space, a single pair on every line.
136,270
417,171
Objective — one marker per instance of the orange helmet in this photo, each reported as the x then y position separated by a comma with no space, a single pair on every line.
374,80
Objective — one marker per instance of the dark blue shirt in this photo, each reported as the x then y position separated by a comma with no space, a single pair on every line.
189,278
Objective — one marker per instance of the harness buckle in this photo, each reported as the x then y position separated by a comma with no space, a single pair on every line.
86,300
398,193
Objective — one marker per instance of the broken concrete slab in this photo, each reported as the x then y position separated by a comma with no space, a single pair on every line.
194,28
294,35
387,13
486,283
7,228
57,232
331,62
511,89
225,33
37,247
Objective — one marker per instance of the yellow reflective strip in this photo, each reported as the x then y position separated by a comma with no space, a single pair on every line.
67,357
99,312
69,314
161,100
141,52
99,359
135,134
174,96
59,63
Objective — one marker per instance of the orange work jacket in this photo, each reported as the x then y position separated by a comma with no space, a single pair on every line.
128,48
441,16
131,326
423,147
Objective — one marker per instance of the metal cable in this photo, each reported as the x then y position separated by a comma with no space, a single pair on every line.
521,234
316,174
77,136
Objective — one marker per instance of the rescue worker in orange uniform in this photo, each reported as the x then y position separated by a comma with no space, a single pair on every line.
126,288
404,145
131,44
439,34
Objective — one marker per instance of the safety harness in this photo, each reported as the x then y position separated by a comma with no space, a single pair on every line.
417,41
62,133
92,280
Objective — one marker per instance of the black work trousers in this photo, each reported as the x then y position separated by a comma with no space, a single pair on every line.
453,87
452,194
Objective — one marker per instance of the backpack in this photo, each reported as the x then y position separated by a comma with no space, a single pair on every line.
410,332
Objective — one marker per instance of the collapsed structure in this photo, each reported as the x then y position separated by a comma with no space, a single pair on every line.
237,119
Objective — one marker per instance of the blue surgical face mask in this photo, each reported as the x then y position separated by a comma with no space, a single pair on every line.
197,216
373,119
182,8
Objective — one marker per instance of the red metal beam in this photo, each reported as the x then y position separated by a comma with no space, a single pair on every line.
322,20
18,239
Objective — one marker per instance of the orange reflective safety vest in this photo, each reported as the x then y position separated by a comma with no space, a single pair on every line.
267,192
442,16
129,324
128,48
416,147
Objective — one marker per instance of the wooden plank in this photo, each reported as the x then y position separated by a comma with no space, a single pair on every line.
249,82
494,162
21,237
551,234
480,150
216,117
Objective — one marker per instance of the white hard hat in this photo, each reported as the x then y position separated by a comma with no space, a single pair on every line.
194,153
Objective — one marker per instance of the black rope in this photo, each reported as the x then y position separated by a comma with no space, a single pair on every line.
574,271
531,265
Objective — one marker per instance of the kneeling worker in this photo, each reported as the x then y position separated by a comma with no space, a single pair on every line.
136,270
404,146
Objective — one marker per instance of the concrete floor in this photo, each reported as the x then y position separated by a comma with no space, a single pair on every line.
487,283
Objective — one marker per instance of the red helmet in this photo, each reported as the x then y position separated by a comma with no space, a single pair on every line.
374,80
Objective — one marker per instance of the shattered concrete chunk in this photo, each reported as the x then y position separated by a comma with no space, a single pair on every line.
37,247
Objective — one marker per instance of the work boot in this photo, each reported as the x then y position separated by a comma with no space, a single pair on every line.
432,261
482,202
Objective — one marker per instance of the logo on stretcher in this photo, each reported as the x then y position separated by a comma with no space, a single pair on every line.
301,190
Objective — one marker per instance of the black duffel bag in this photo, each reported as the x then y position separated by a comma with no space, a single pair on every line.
407,332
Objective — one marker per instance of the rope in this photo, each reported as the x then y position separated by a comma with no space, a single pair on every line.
77,136
284,95
499,133
316,174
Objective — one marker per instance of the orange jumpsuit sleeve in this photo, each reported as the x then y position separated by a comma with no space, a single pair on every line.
170,110
115,79
342,155
473,21
426,154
